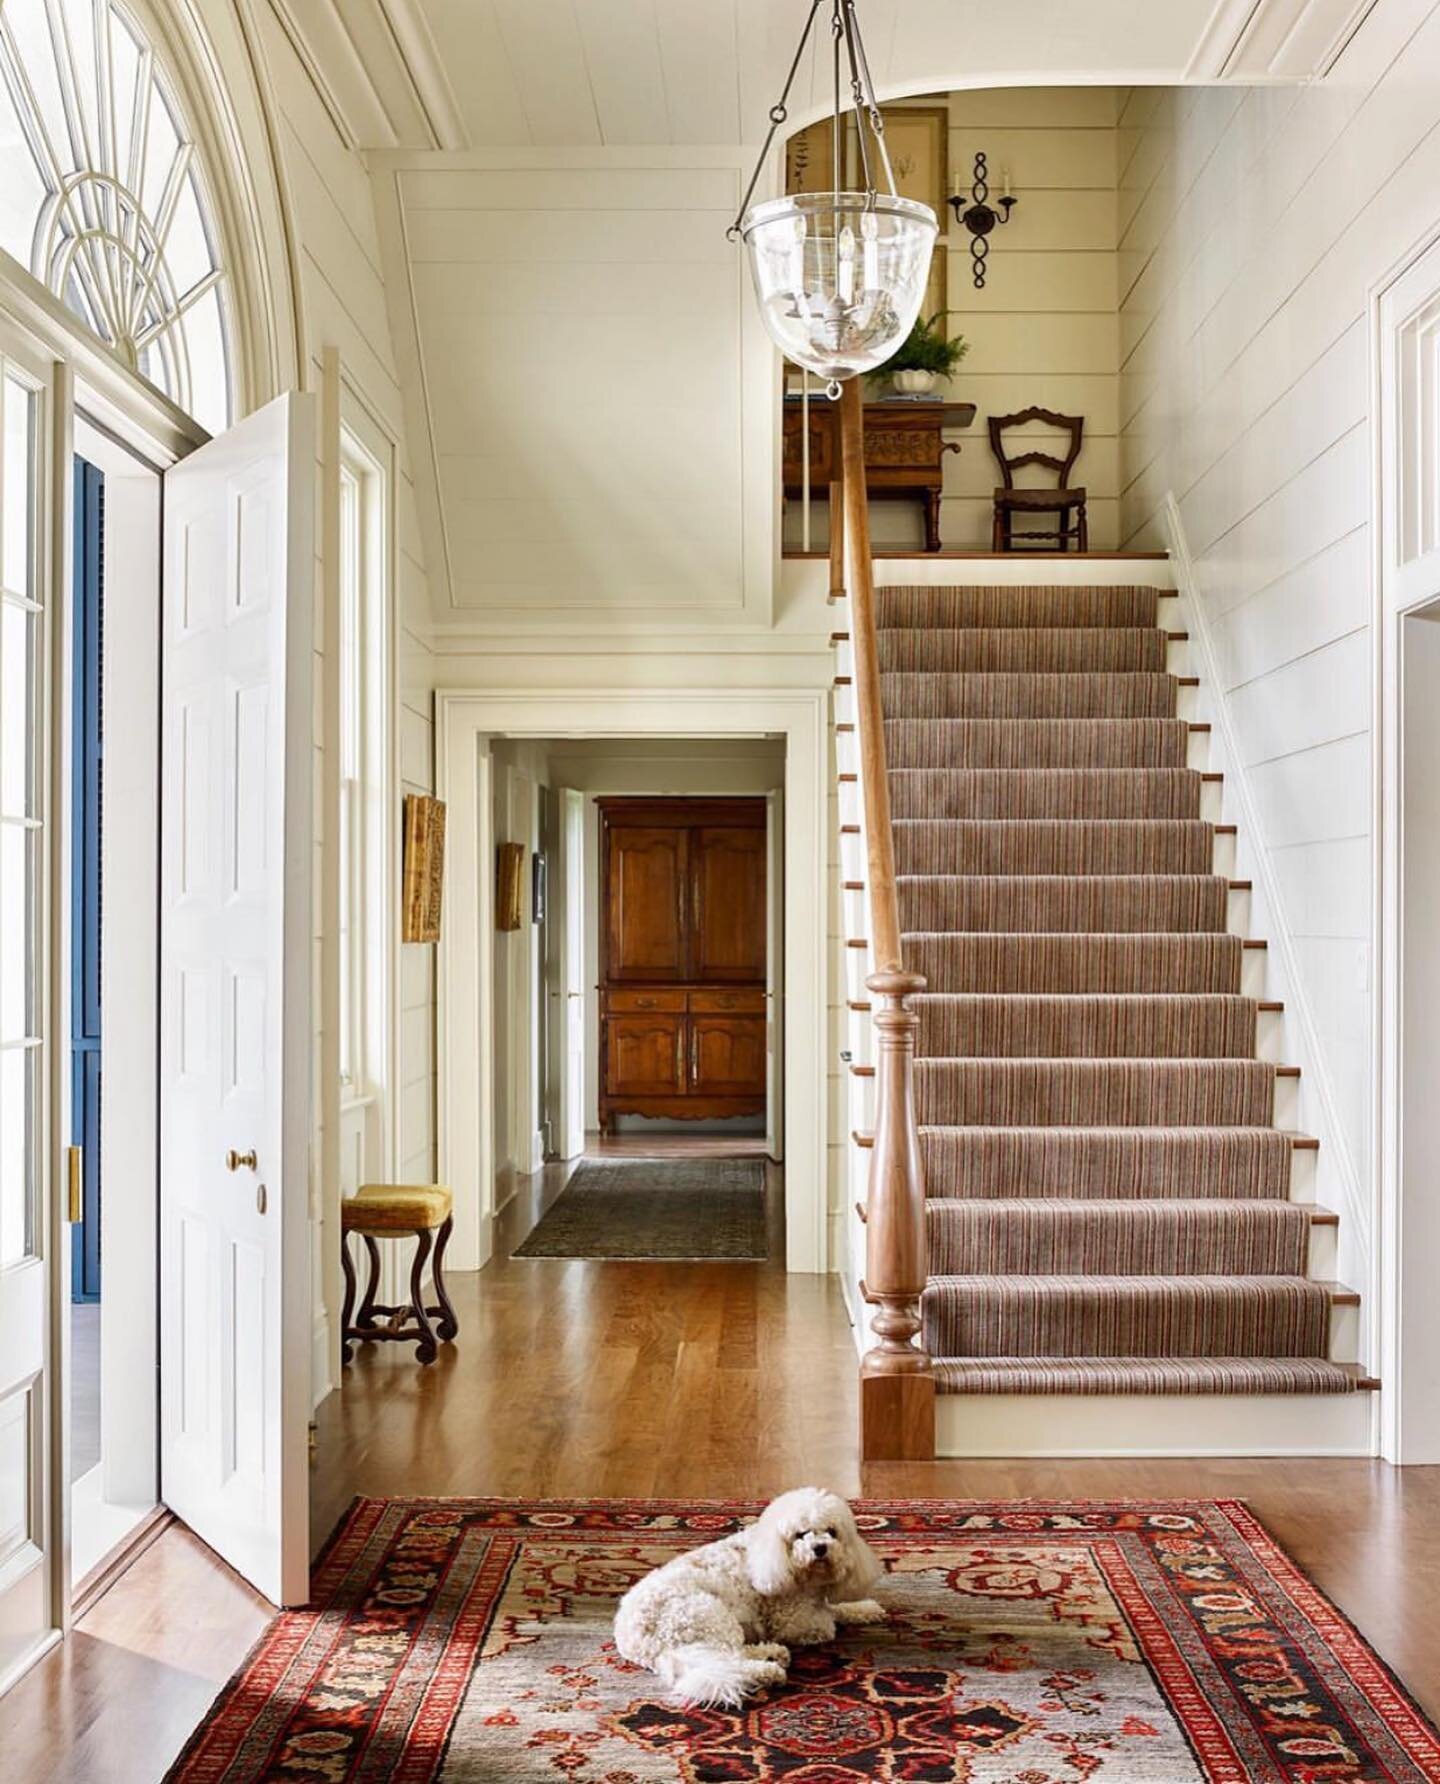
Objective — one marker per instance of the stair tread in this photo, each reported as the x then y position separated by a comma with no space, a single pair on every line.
1151,1376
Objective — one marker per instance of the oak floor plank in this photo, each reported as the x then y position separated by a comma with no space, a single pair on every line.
709,1380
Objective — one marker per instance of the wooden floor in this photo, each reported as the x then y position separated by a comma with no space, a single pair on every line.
701,1380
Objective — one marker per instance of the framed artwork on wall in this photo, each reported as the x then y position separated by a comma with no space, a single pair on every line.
918,138
509,860
423,868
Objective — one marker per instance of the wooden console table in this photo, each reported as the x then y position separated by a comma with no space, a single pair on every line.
904,449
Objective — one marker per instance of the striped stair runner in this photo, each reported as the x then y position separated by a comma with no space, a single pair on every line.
1109,1201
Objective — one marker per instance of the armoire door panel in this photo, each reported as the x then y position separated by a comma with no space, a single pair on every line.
727,1055
645,1055
646,916
727,878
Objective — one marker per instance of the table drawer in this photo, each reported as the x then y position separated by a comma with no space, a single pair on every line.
721,1003
625,1002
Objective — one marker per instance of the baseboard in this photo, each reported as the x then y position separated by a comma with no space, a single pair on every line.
1078,1425
320,1382
1337,1183
89,1590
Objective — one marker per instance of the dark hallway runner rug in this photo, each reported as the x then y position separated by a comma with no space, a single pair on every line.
656,1208
1166,1642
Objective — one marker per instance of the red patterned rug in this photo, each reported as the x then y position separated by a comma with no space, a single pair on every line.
1140,1643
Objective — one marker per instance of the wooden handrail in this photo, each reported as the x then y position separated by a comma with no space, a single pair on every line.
897,1383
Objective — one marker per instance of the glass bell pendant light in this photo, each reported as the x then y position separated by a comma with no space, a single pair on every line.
839,275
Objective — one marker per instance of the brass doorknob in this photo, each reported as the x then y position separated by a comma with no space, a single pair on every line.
235,1161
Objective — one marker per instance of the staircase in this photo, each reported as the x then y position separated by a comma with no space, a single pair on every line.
1121,1255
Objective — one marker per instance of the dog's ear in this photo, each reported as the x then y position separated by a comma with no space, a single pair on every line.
767,1556
859,1566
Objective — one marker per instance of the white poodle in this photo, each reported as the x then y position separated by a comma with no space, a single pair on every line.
718,1622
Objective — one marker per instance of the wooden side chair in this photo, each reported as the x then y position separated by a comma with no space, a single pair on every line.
1062,501
424,1212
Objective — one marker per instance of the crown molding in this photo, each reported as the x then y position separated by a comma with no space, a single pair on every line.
377,72
1275,40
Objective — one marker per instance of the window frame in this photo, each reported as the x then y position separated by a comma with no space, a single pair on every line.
366,832
78,160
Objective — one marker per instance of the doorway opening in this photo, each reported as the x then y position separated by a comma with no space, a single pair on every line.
114,657
637,957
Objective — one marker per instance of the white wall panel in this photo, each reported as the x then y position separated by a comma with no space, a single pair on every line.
1254,225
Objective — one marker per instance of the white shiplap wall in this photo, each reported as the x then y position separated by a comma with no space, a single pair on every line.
1254,224
342,307
1044,330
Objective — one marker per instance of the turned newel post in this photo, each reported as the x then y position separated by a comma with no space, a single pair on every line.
897,1382
895,1248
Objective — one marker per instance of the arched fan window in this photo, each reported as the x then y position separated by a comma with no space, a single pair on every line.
101,195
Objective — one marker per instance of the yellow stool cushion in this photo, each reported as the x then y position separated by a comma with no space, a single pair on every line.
396,1207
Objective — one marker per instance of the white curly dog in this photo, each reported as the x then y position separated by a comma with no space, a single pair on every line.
718,1623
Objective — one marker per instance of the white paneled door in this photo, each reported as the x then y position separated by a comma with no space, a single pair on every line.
235,1020
29,1546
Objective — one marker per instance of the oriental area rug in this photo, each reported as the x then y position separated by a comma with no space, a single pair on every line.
1039,1643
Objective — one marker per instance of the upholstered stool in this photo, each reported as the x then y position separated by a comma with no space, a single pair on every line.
389,1211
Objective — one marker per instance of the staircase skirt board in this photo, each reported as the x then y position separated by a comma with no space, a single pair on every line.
1116,1261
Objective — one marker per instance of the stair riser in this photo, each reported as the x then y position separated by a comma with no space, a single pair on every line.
1263,1239
1149,1319
1125,1164
1017,696
1068,965
928,846
1024,649
1072,1093
1064,1425
1028,605
1054,905
1051,793
1086,1028
1043,743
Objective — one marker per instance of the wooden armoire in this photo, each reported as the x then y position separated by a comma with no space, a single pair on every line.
682,958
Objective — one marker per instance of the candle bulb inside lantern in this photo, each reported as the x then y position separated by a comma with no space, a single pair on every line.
870,232
845,274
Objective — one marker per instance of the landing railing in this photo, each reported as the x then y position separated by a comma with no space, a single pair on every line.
897,1384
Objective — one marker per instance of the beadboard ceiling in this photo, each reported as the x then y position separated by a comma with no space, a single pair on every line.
565,73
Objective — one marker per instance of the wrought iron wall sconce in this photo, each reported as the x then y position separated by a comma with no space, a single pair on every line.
980,217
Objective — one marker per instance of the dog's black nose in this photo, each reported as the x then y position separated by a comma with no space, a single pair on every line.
821,1549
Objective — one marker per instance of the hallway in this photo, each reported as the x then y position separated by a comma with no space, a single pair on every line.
645,1380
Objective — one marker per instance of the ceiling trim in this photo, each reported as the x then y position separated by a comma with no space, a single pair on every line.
1275,40
376,70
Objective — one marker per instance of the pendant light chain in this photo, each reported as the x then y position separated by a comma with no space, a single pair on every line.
839,275
778,114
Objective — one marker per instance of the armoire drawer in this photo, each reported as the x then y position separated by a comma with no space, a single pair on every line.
624,1003
727,1003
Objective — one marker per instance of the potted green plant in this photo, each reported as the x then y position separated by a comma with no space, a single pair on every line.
926,353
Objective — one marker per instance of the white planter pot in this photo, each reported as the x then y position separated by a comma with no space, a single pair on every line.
913,383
